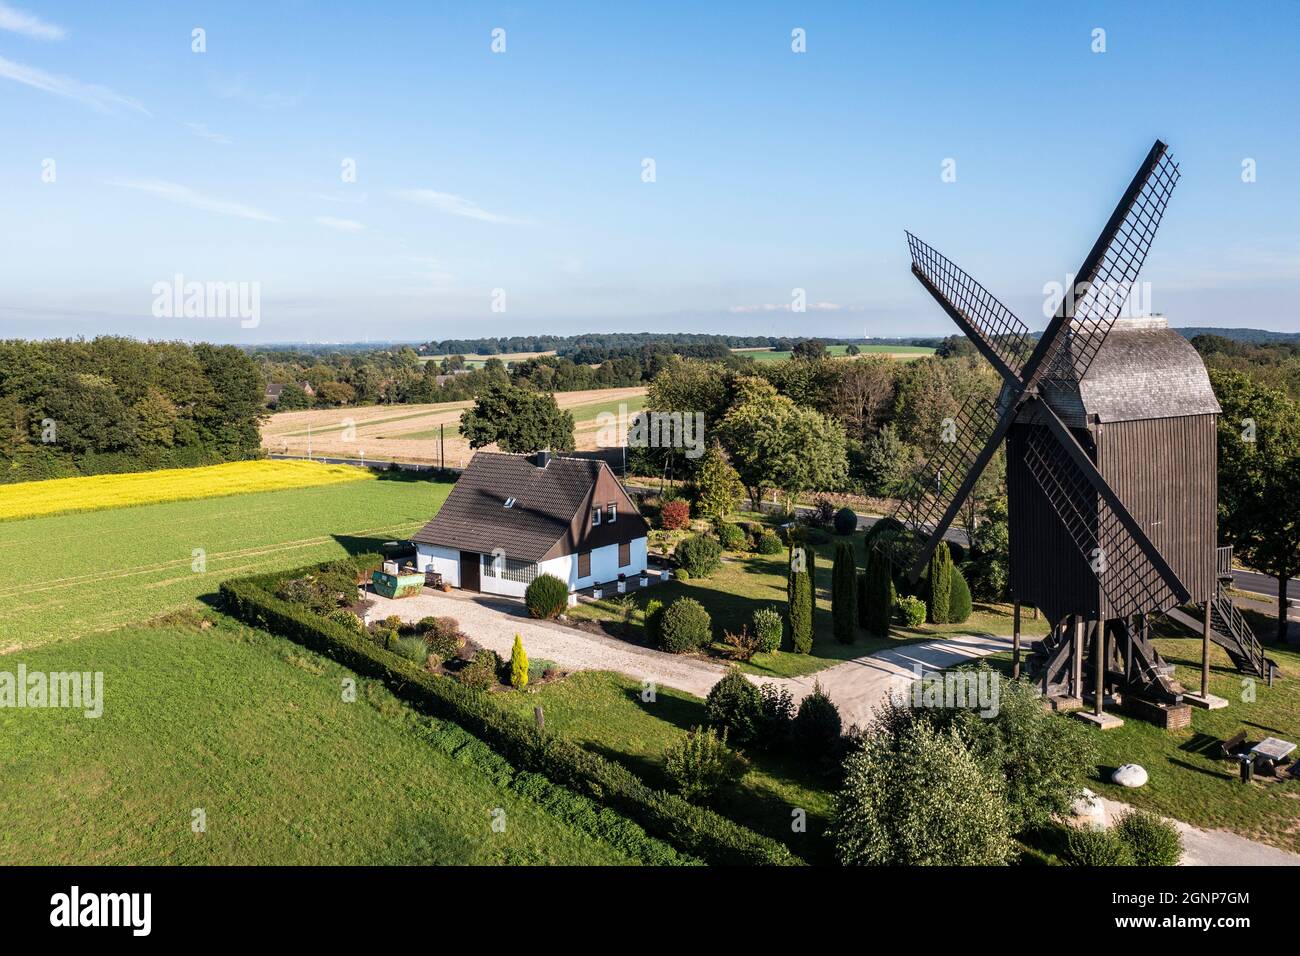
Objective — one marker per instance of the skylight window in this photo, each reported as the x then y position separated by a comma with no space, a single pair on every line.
510,502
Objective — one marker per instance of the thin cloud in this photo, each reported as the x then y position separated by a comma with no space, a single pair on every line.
784,307
201,131
29,25
456,206
238,89
99,98
341,225
349,200
184,196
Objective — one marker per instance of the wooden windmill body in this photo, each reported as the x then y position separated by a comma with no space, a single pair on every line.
1110,429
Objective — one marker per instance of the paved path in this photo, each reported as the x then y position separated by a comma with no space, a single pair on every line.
1215,847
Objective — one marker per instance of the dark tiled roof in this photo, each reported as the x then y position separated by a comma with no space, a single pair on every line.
1143,371
474,516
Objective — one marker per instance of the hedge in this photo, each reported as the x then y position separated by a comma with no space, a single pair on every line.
694,830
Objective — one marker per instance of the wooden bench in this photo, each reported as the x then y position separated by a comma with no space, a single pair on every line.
1228,748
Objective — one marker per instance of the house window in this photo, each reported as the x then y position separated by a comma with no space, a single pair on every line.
595,517
584,564
508,569
611,513
624,554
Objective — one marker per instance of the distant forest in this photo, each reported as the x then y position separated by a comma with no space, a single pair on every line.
626,343
75,407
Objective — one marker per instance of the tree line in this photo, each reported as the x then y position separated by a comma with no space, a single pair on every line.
76,407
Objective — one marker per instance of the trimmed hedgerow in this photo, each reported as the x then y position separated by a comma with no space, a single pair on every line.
695,830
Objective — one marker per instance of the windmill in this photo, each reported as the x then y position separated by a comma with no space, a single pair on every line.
1110,429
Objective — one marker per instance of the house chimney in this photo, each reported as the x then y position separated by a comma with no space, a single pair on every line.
542,458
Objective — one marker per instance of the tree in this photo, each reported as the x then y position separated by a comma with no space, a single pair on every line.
852,350
844,593
884,463
292,398
809,350
336,393
878,592
938,587
919,799
518,665
988,571
718,485
862,392
799,603
1259,478
775,443
517,420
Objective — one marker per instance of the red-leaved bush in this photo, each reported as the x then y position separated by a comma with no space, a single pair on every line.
675,514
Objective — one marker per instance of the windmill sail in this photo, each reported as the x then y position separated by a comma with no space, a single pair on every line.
1109,272
994,329
1130,570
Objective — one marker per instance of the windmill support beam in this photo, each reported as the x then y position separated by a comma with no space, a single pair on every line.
1015,641
1205,699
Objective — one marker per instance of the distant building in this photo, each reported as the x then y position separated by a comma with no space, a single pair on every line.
272,394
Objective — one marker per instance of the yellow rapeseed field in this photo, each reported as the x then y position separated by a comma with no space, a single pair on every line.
32,499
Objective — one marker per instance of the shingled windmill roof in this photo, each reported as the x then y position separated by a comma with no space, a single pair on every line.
1144,370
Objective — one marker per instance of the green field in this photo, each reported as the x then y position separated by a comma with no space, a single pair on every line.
245,725
254,731
66,575
840,351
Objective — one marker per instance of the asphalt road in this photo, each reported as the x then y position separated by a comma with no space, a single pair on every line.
1263,584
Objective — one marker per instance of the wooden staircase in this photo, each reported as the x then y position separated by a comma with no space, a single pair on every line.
1228,629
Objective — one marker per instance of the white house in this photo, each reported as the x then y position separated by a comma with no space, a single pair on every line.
510,518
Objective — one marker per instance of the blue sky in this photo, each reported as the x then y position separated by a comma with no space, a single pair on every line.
522,170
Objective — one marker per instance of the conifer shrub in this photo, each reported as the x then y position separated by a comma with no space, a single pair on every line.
546,597
844,594
518,665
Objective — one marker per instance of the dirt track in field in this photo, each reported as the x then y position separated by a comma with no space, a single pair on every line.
407,432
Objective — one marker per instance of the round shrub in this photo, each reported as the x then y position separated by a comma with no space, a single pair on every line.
768,626
817,724
675,514
482,672
546,597
911,611
654,609
1088,847
959,606
768,543
1151,840
699,554
681,574
348,620
846,521
734,705
732,537
443,636
701,763
918,800
684,626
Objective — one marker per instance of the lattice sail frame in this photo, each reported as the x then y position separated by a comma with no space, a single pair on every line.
1098,298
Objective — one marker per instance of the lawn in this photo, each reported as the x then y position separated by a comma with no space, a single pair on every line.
605,713
1188,781
69,574
32,499
747,582
255,731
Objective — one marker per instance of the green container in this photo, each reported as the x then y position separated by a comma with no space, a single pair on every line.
397,585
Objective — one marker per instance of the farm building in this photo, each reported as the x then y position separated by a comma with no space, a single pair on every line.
511,518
